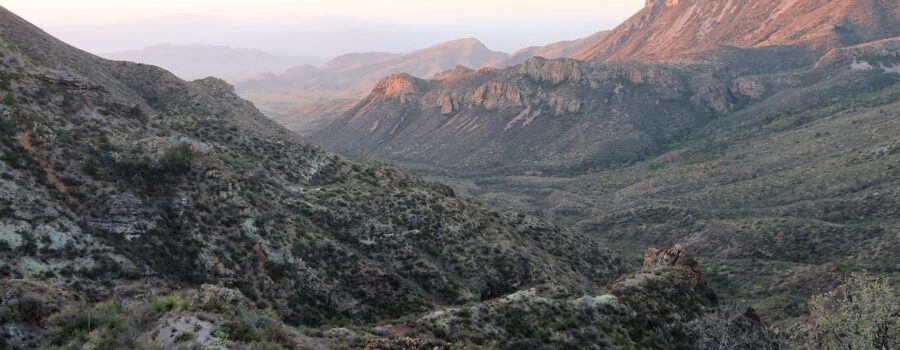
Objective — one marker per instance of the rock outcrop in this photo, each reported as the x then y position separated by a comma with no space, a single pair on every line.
656,259
543,114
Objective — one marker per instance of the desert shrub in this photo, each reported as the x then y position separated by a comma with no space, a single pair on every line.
91,165
177,159
277,270
30,309
170,302
862,314
731,327
75,324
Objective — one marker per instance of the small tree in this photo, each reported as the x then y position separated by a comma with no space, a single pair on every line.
863,314
730,327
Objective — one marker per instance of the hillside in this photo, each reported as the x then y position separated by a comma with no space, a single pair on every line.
770,159
669,30
141,210
201,61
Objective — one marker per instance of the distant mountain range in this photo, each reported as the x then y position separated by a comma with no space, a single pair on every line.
200,61
287,95
354,75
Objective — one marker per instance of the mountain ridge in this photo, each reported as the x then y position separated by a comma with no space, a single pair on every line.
683,29
196,61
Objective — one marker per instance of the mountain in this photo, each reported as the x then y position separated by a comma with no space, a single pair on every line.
296,96
541,115
556,50
559,115
683,29
200,61
353,75
138,209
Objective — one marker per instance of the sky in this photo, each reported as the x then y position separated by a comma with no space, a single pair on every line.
70,12
313,31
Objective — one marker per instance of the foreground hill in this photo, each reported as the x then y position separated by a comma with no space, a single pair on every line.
667,30
141,210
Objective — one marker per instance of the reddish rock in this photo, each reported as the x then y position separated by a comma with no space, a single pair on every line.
674,257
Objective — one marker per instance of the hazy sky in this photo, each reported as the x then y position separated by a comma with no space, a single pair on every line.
313,31
68,12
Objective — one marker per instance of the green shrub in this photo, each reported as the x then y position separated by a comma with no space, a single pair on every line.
862,314
91,165
102,315
177,159
170,302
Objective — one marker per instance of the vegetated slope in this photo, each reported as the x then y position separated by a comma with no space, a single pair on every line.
669,30
556,50
543,115
115,172
201,61
779,200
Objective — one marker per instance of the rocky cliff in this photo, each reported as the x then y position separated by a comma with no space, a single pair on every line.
542,114
668,30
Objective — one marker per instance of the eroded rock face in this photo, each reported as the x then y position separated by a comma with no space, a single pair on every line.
656,259
125,215
212,297
548,114
748,87
879,56
399,86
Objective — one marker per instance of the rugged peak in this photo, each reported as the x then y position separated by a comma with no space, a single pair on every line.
672,257
397,86
467,43
685,29
659,3
452,74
